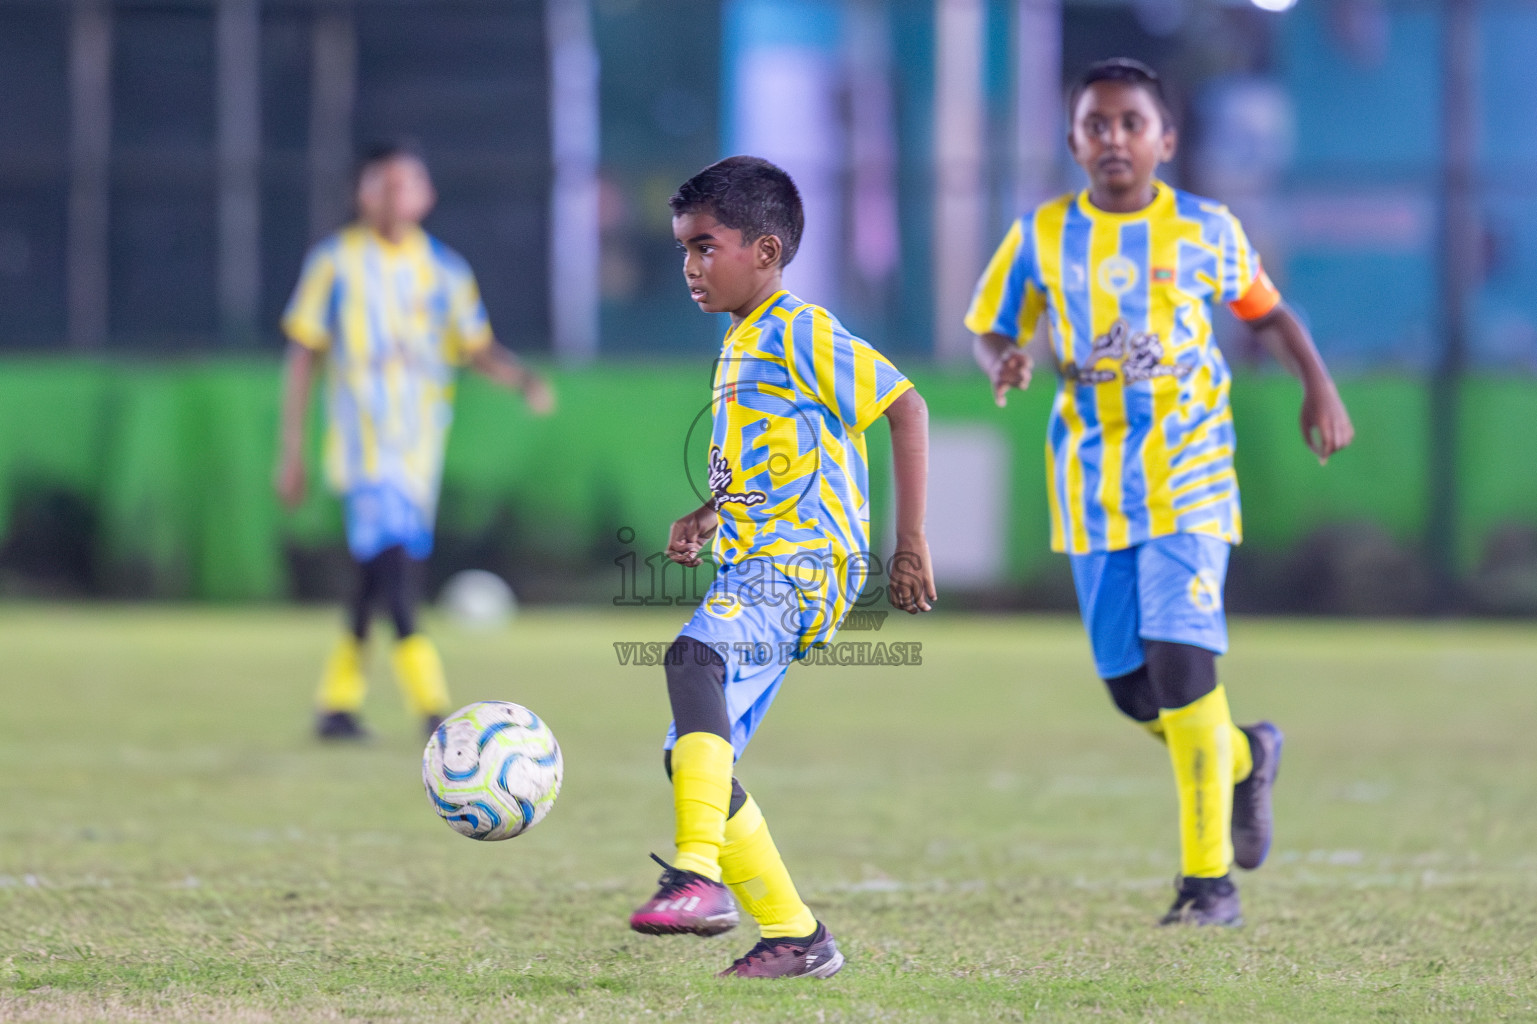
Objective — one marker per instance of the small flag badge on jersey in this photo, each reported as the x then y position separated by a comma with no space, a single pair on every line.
1163,273
731,392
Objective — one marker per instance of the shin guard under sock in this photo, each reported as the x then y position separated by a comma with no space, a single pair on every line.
1200,736
1243,757
420,672
701,794
342,685
757,876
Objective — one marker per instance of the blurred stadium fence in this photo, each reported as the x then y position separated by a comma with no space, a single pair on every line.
153,479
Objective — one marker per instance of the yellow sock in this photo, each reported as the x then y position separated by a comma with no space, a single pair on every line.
342,685
1200,737
1243,757
751,866
420,673
701,794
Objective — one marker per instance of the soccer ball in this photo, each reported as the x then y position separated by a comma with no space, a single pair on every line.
492,770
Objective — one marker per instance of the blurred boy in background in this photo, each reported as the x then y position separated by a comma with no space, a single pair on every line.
392,312
1144,498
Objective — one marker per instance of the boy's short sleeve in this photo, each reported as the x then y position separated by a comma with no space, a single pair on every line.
844,373
308,319
1008,300
1246,288
468,329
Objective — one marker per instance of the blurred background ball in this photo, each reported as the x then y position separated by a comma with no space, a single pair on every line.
492,770
477,599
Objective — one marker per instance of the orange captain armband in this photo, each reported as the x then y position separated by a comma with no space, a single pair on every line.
1260,299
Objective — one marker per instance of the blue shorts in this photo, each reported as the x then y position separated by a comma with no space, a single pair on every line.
381,516
1168,588
753,617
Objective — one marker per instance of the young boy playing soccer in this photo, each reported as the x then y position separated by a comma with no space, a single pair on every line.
392,311
793,395
1140,446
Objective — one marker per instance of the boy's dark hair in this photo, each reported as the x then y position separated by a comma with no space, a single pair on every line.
1121,69
750,195
386,150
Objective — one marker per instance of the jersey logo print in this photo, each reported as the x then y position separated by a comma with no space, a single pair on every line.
1118,275
720,480
1140,354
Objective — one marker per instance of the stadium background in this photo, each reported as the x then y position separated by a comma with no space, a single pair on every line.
164,163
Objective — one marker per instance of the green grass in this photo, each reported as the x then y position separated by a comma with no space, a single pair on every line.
988,840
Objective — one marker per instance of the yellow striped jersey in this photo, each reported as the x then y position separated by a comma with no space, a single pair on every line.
1140,441
793,395
394,320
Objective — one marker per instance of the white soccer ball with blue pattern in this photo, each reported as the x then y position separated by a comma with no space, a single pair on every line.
492,770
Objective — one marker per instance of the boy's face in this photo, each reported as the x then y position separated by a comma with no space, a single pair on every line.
395,193
1119,137
722,272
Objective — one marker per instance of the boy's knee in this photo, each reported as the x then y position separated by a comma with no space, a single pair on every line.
738,794
1180,674
1133,695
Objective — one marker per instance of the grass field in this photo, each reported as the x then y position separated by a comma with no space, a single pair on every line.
988,840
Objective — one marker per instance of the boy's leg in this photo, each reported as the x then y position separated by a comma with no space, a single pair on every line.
1199,732
794,944
342,682
418,666
364,596
390,529
1133,695
690,897
702,758
1106,584
1109,601
1180,580
752,867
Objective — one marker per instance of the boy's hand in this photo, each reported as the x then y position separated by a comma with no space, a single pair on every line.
1011,370
912,576
538,393
1326,426
691,533
289,480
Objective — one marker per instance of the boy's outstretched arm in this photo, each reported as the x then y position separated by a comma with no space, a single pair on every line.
1326,426
911,572
496,363
1006,364
298,378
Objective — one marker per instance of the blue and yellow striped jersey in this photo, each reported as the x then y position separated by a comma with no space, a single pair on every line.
394,321
793,395
1140,442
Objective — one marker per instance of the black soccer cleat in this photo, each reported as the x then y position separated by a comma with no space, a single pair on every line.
1253,820
1205,901
340,725
814,957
